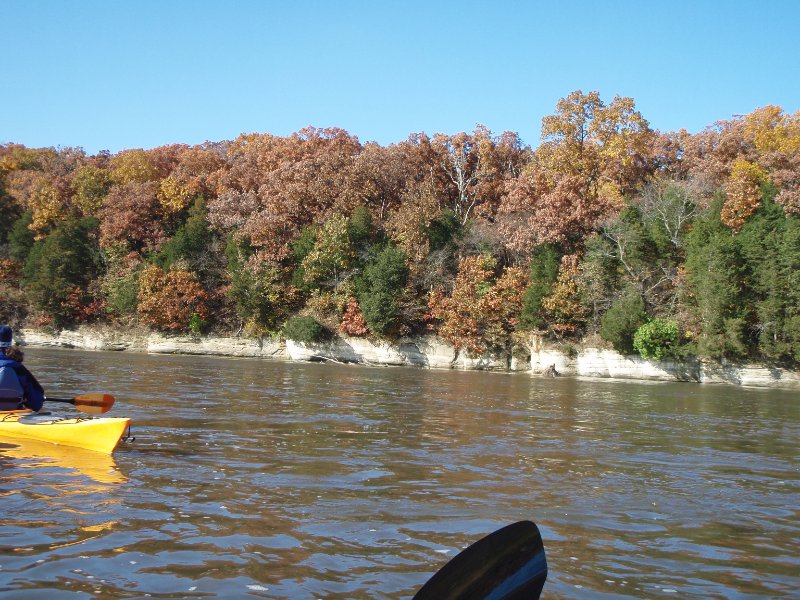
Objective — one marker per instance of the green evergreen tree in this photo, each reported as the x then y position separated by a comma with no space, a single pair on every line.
789,264
302,247
715,269
544,272
380,287
190,242
359,228
443,230
60,267
9,213
768,242
21,238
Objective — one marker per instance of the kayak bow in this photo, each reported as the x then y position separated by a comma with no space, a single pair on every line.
100,435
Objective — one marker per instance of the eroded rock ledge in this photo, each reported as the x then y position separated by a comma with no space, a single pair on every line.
425,351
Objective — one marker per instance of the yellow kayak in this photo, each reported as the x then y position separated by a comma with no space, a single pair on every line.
97,434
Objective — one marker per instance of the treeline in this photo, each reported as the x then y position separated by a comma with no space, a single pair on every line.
665,244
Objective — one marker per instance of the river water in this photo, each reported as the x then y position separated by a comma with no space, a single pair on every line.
269,479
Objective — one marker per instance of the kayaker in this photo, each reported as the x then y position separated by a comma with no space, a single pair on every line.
16,382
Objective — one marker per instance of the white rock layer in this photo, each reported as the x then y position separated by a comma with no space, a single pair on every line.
424,351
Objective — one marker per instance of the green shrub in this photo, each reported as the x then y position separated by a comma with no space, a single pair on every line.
657,339
304,329
621,321
197,324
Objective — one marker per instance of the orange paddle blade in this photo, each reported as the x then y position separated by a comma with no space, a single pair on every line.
94,404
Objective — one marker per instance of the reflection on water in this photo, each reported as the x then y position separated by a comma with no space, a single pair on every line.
71,463
279,480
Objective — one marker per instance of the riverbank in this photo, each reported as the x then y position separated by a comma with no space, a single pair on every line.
535,358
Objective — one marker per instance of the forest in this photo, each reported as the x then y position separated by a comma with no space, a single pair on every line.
661,244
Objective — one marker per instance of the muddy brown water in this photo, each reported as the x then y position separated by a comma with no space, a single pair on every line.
269,479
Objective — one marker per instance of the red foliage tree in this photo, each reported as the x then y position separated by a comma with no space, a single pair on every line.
353,322
286,184
131,218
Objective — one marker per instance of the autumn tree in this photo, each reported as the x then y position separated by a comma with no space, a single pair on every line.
133,166
353,322
476,167
564,309
90,185
776,137
195,171
41,195
591,155
277,186
131,219
743,194
484,307
768,139
168,300
382,176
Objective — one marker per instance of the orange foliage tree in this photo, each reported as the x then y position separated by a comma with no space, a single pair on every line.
591,155
563,308
277,186
483,309
474,167
743,196
169,299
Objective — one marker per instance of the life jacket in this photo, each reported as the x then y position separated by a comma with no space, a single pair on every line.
11,392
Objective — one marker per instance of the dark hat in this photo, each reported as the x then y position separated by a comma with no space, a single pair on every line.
5,336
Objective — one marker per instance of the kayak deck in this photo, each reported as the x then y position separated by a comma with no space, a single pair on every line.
97,434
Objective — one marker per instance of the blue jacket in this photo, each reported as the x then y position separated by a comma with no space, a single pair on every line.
33,393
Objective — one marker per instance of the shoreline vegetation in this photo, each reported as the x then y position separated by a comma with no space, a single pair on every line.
673,249
425,352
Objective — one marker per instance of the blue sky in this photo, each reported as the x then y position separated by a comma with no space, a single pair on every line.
113,74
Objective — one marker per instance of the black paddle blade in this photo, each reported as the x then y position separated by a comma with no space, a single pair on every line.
508,564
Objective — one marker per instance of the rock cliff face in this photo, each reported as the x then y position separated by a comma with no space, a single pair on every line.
425,351
112,340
